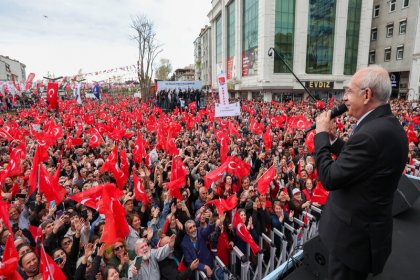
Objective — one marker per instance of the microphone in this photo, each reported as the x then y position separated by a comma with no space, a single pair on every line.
337,111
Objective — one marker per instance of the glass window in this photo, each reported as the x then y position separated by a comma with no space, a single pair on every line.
376,11
390,30
406,3
374,34
320,46
400,52
230,40
219,39
352,36
372,57
284,34
392,5
387,56
403,26
250,38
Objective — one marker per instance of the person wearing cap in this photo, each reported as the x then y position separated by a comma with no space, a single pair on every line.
297,203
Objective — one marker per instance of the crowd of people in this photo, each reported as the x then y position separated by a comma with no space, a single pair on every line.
173,230
170,99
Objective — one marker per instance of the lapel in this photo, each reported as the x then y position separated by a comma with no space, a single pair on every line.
380,111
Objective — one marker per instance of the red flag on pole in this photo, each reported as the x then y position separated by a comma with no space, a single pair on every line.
139,192
10,260
244,234
266,179
52,95
49,269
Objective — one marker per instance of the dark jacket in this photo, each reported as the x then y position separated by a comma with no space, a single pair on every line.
356,225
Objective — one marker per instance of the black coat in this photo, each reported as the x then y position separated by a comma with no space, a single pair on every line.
356,225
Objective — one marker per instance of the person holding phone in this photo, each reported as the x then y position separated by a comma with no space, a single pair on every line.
145,265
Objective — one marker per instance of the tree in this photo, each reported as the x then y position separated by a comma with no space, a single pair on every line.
145,37
163,70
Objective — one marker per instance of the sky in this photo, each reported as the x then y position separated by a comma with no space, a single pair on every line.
61,37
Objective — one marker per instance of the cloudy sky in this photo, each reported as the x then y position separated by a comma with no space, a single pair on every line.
62,37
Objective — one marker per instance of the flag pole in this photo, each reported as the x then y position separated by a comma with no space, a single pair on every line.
46,260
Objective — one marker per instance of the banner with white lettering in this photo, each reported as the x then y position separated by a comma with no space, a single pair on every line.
223,91
227,110
179,85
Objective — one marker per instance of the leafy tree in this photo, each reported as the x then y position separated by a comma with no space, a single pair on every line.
163,70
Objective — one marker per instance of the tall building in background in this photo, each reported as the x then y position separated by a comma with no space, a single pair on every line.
11,69
395,44
323,41
202,57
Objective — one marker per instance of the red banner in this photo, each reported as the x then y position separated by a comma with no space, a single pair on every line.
52,95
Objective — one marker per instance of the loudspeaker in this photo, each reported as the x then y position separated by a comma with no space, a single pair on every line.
315,258
406,194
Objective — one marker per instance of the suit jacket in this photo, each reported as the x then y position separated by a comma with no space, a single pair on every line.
201,251
356,225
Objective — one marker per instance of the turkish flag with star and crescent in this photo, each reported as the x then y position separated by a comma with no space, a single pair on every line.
244,234
52,95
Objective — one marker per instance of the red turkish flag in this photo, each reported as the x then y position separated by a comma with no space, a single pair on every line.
4,214
95,139
224,149
266,179
244,234
124,162
178,169
223,205
5,135
237,167
36,163
320,104
267,139
139,151
214,175
256,127
52,95
233,130
120,177
116,226
14,167
10,260
110,160
309,141
49,268
49,185
319,194
29,80
299,122
92,197
175,186
139,192
55,131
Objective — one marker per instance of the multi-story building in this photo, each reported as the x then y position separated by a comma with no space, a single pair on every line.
185,74
202,56
323,41
11,69
395,44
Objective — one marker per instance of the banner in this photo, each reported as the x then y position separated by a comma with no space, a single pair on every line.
179,85
223,91
52,95
227,110
29,80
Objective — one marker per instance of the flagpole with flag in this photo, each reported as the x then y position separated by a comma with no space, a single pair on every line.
47,263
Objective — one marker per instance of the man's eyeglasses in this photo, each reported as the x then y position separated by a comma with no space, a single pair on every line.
348,91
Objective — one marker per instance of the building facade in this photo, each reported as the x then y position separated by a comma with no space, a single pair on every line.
185,74
395,44
202,56
323,42
11,69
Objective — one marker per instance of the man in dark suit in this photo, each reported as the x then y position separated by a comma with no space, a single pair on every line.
356,225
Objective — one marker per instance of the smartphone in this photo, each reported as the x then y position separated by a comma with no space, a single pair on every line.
138,262
58,260
59,213
84,214
52,203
